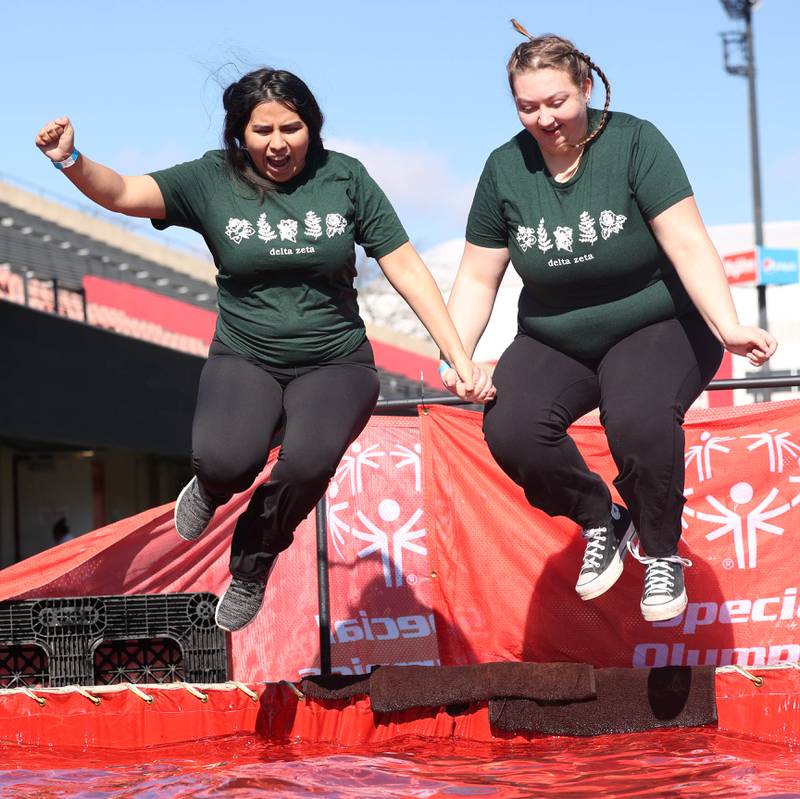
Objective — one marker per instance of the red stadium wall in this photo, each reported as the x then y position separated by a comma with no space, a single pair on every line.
149,306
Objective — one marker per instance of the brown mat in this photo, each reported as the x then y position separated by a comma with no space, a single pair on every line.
628,700
394,688
335,686
545,682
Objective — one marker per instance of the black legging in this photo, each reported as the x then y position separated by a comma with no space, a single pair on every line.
642,385
240,405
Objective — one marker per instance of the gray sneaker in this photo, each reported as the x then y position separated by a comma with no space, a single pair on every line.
239,604
604,554
194,509
242,601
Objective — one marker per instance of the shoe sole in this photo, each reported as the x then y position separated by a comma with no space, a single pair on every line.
217,622
606,580
175,513
668,610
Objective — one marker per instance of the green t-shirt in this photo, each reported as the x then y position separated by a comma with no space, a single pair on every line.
592,271
285,265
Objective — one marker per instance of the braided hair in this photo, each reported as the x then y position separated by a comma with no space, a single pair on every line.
554,52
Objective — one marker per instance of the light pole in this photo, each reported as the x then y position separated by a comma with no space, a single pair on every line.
746,67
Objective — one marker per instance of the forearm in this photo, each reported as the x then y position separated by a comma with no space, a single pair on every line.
470,307
703,277
683,237
132,195
99,183
415,284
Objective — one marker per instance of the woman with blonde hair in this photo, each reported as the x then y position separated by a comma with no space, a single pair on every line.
624,306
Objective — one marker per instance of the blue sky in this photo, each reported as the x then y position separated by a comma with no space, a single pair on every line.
415,88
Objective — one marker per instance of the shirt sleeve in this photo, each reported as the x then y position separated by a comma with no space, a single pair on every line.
377,227
486,226
184,191
657,176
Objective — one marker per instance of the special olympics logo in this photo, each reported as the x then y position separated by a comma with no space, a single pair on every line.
391,532
742,515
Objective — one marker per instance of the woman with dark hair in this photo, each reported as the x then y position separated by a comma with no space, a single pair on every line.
280,215
624,306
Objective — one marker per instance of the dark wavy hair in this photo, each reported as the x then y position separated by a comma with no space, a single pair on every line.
239,100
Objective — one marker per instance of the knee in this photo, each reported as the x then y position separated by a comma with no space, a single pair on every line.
641,434
521,446
304,468
225,472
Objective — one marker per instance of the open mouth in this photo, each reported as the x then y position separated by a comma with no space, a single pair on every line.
278,163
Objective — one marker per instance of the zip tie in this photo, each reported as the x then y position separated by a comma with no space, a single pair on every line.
39,699
757,681
294,689
83,692
140,693
246,691
194,691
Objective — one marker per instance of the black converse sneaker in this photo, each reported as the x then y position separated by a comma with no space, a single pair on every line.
664,594
241,602
194,509
604,554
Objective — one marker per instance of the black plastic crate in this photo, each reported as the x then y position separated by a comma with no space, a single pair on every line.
99,640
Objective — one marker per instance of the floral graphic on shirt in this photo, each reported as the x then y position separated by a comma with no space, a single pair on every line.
563,238
526,237
288,230
335,224
265,231
611,223
586,231
543,238
238,229
313,226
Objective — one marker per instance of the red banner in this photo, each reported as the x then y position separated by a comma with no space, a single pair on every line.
433,550
505,572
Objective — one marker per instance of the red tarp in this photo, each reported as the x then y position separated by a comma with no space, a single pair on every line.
379,575
123,720
506,571
472,572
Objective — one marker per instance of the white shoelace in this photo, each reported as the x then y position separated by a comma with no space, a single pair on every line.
593,556
658,578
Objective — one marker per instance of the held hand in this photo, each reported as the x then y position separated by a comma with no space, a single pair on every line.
56,139
482,389
753,343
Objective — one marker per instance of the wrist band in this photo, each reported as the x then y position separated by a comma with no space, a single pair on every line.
68,161
443,367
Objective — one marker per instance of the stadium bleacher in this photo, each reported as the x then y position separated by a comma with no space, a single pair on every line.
45,265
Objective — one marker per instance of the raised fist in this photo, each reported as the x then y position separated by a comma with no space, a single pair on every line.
56,139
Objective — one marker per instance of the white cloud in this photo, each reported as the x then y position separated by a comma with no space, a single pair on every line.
416,180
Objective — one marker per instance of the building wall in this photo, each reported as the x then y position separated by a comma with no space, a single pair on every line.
74,384
6,508
51,487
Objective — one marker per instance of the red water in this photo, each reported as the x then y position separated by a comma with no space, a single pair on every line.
685,763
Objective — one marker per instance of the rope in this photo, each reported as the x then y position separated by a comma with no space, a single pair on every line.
246,691
757,681
194,692
134,689
83,692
